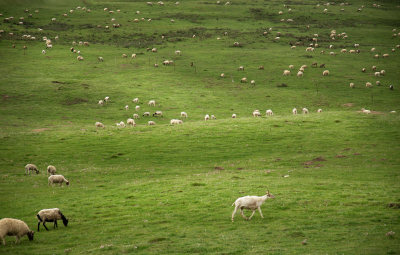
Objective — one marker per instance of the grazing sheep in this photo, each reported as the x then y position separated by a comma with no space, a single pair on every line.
373,68
253,82
222,75
100,59
368,84
234,116
365,111
315,64
79,58
43,52
378,83
383,72
363,70
152,103
133,55
385,55
136,116
286,73
269,112
352,85
158,114
99,125
131,122
146,114
124,55
300,74
332,53
294,111
207,117
243,80
305,111
241,68
126,107
391,87
50,215
261,68
31,167
250,203
135,100
184,114
121,124
178,52
377,74
325,73
154,50
57,179
51,170
14,227
213,117
151,123
319,110
291,66
376,56
343,50
106,99
176,122
256,113
137,107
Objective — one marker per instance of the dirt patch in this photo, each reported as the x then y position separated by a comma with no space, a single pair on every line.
219,168
38,130
373,112
340,156
348,105
319,159
394,205
5,97
307,164
156,240
58,82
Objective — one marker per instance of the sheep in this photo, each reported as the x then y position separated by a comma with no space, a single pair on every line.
101,59
241,68
14,227
363,70
31,167
43,52
305,111
126,107
253,82
207,117
151,123
368,84
51,170
325,73
184,114
315,64
137,107
222,75
175,121
286,73
120,124
352,85
332,53
269,112
131,122
152,103
158,114
99,124
322,66
261,68
373,68
178,52
146,114
377,74
106,99
378,83
291,66
343,50
213,117
243,80
133,55
135,100
383,72
365,111
50,215
294,111
154,50
136,116
124,55
57,179
79,58
250,203
234,116
385,55
256,113
319,110
299,74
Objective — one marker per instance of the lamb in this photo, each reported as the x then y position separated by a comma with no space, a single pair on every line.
305,111
99,124
136,116
175,121
57,179
14,227
269,112
158,114
151,123
294,111
31,167
135,100
250,203
207,117
152,103
50,215
286,73
51,170
131,122
325,73
184,114
234,116
256,113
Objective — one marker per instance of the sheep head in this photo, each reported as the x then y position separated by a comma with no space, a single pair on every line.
269,195
65,221
30,235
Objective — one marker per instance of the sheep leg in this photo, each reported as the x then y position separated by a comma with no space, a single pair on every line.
252,214
16,239
55,224
241,212
38,225
3,240
259,209
44,225
234,212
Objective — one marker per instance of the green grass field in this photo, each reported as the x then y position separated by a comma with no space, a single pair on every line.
169,189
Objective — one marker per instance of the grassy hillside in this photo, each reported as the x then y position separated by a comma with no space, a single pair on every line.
169,189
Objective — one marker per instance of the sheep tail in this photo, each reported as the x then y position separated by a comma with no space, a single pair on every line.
40,219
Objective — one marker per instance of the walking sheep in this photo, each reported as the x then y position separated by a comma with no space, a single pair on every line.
14,227
250,203
31,167
57,179
50,215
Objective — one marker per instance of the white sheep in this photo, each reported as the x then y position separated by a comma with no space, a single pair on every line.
101,102
377,74
131,122
256,113
106,99
175,121
305,111
120,124
291,67
136,116
50,215
383,72
152,103
319,110
300,74
57,179
101,59
234,116
325,73
14,227
352,85
51,170
368,84
135,100
251,203
213,117
207,117
253,82
126,107
99,124
133,55
269,112
286,73
31,167
243,80
365,111
137,107
146,114
178,52
241,68
158,114
184,114
222,75
151,123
